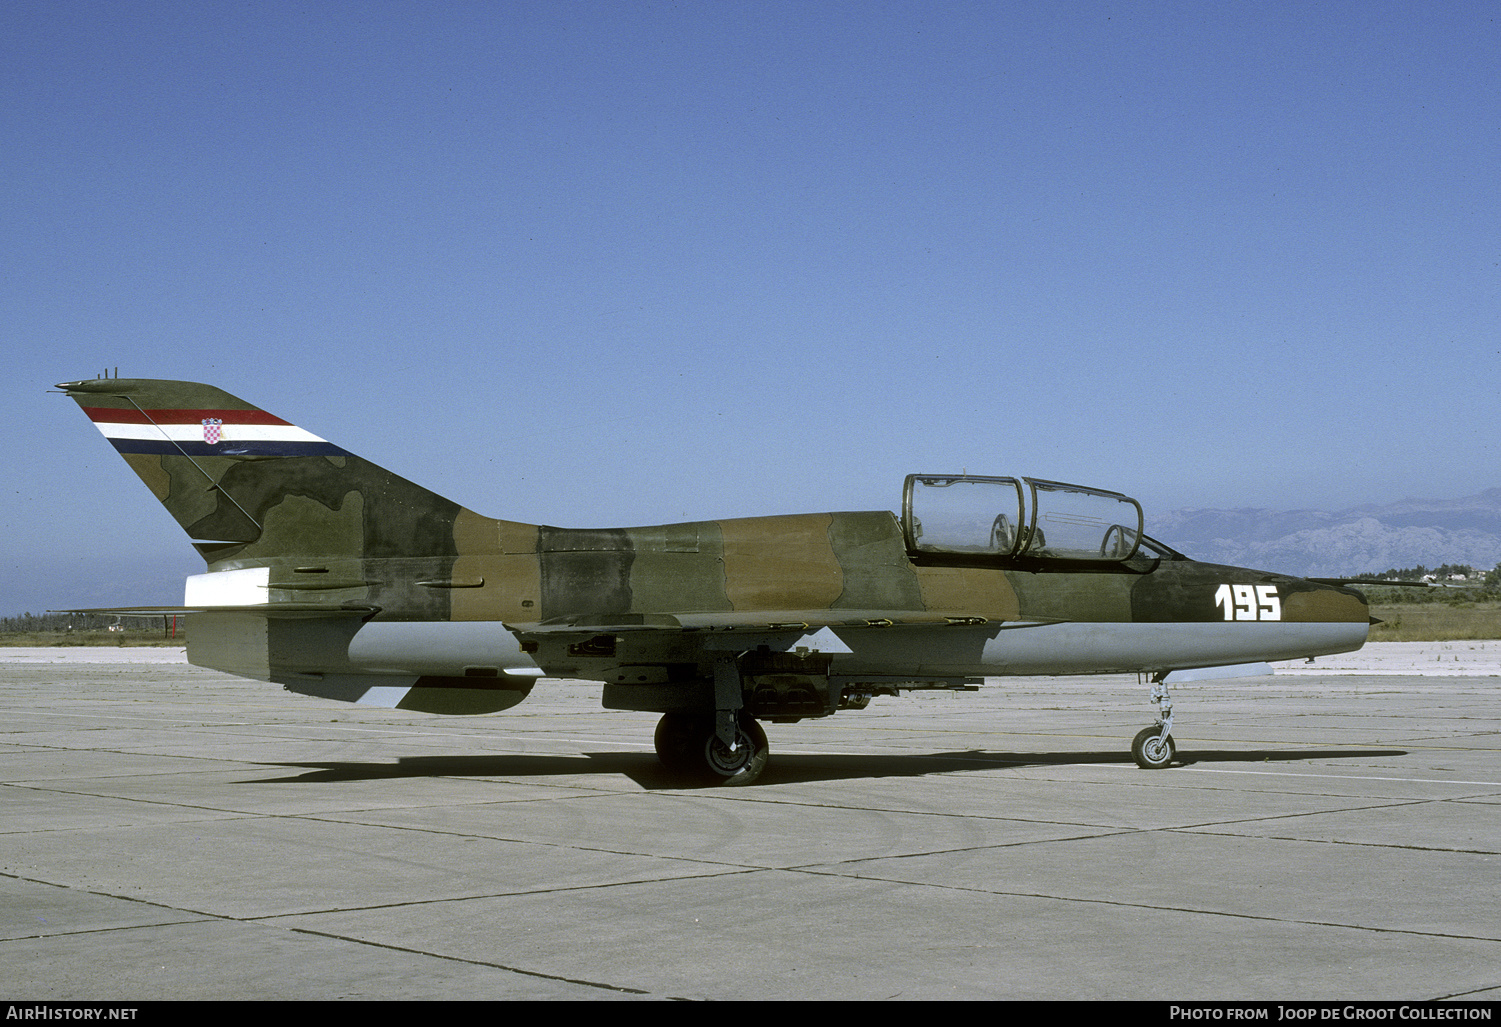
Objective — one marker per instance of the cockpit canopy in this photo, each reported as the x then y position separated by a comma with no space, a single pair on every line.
1018,517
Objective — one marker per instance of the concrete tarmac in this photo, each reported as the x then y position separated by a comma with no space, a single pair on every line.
168,832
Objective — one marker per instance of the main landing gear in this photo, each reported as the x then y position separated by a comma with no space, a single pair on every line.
1153,747
688,744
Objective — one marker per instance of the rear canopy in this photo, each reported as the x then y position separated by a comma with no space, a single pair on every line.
1008,518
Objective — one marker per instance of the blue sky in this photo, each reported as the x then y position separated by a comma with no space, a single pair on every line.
600,263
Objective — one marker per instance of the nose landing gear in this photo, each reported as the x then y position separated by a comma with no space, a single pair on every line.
1153,747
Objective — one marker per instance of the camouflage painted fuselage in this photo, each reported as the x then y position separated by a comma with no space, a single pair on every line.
337,578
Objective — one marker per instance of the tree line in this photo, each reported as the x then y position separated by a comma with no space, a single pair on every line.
64,622
1443,572
1477,586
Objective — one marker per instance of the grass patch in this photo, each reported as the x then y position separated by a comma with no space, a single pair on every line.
111,639
1435,622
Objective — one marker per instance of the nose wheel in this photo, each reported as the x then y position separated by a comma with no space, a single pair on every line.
1153,747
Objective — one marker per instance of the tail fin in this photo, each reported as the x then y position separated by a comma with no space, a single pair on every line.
248,486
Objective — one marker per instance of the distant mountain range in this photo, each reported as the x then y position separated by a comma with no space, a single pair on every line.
1359,540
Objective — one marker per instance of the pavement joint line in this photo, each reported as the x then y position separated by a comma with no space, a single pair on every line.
240,814
1492,990
820,868
1340,841
472,962
346,817
270,919
1344,777
205,917
332,817
745,797
809,869
1157,907
1189,829
736,870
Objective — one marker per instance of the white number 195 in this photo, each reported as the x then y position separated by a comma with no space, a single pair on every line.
1249,602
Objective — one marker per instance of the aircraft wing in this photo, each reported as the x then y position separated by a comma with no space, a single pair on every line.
754,621
262,609
733,631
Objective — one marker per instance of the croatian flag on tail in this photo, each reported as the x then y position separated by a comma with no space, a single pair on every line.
206,433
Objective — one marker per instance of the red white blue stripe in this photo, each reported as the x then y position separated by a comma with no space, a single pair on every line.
206,433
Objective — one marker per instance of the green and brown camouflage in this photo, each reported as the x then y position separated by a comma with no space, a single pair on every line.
336,577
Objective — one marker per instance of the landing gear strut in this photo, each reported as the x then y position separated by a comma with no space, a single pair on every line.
689,744
1153,747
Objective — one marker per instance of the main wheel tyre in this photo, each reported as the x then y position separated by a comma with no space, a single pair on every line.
1151,751
679,740
745,763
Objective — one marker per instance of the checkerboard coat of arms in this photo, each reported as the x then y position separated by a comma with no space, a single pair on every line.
212,428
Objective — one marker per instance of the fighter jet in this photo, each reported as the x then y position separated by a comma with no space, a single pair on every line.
336,578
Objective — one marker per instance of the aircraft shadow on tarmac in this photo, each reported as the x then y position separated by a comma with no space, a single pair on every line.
797,768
